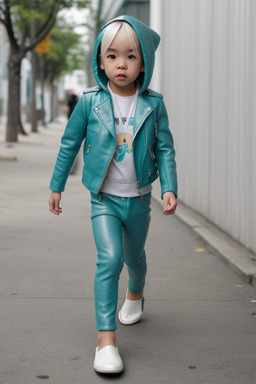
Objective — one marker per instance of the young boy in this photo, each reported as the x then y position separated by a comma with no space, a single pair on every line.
127,144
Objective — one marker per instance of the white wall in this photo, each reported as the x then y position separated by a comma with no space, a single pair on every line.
208,78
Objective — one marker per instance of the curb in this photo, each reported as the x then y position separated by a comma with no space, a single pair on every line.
8,158
234,255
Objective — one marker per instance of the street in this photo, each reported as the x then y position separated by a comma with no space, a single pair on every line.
199,322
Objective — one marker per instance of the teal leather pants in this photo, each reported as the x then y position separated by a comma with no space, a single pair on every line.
120,227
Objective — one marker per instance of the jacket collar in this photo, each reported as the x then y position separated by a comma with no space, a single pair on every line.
143,110
104,111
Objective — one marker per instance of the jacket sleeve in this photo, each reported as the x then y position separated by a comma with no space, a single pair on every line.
71,141
165,154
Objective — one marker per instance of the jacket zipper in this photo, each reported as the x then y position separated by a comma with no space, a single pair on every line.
139,191
151,153
105,174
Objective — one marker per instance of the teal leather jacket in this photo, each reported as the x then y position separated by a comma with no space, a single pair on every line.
92,122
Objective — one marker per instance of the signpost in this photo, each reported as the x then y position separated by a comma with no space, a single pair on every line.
44,45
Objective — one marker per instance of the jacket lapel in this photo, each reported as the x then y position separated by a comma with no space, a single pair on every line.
143,110
105,113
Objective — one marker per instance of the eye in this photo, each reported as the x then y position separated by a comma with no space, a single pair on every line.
112,57
131,57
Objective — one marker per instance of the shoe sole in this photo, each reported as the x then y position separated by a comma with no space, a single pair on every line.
128,322
102,370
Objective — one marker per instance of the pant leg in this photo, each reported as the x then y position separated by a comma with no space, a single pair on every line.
134,238
107,232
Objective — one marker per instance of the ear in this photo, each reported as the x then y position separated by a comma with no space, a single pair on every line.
100,62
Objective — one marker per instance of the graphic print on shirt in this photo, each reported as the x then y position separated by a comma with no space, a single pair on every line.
124,142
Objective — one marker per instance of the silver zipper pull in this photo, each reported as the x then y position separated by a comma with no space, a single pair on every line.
139,191
89,147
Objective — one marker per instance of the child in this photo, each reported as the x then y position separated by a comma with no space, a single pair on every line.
127,143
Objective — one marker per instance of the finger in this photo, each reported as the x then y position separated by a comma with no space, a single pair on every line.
169,212
166,203
53,211
51,206
170,208
56,206
59,209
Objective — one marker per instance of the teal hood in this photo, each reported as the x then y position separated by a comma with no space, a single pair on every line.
149,41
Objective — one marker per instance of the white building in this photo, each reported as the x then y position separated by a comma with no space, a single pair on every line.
206,71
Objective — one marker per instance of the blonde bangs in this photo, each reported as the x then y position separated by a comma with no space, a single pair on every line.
112,30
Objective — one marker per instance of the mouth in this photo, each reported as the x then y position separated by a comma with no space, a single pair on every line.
121,76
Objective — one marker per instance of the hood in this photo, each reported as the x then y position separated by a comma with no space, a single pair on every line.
149,41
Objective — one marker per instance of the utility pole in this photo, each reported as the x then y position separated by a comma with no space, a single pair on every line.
42,70
33,94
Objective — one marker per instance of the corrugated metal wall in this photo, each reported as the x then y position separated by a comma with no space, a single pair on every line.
208,78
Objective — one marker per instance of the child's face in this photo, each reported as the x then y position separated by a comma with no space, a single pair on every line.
122,65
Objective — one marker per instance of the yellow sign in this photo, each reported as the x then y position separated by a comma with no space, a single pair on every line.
44,45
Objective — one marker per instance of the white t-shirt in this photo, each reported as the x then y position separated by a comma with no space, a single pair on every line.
121,178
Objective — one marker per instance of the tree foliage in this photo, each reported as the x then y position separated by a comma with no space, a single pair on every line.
17,17
27,22
66,53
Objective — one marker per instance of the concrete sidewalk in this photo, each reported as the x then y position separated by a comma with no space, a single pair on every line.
199,323
238,258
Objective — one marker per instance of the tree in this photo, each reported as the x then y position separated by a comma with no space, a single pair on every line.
19,18
66,53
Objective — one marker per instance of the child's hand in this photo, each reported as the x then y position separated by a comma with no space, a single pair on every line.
54,203
170,203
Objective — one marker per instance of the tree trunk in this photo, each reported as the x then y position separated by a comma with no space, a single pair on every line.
13,114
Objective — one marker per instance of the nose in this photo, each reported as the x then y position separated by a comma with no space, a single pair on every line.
122,63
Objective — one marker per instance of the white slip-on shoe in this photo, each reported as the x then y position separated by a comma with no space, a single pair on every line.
131,311
108,360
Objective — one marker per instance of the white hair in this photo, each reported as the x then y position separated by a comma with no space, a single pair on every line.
110,33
